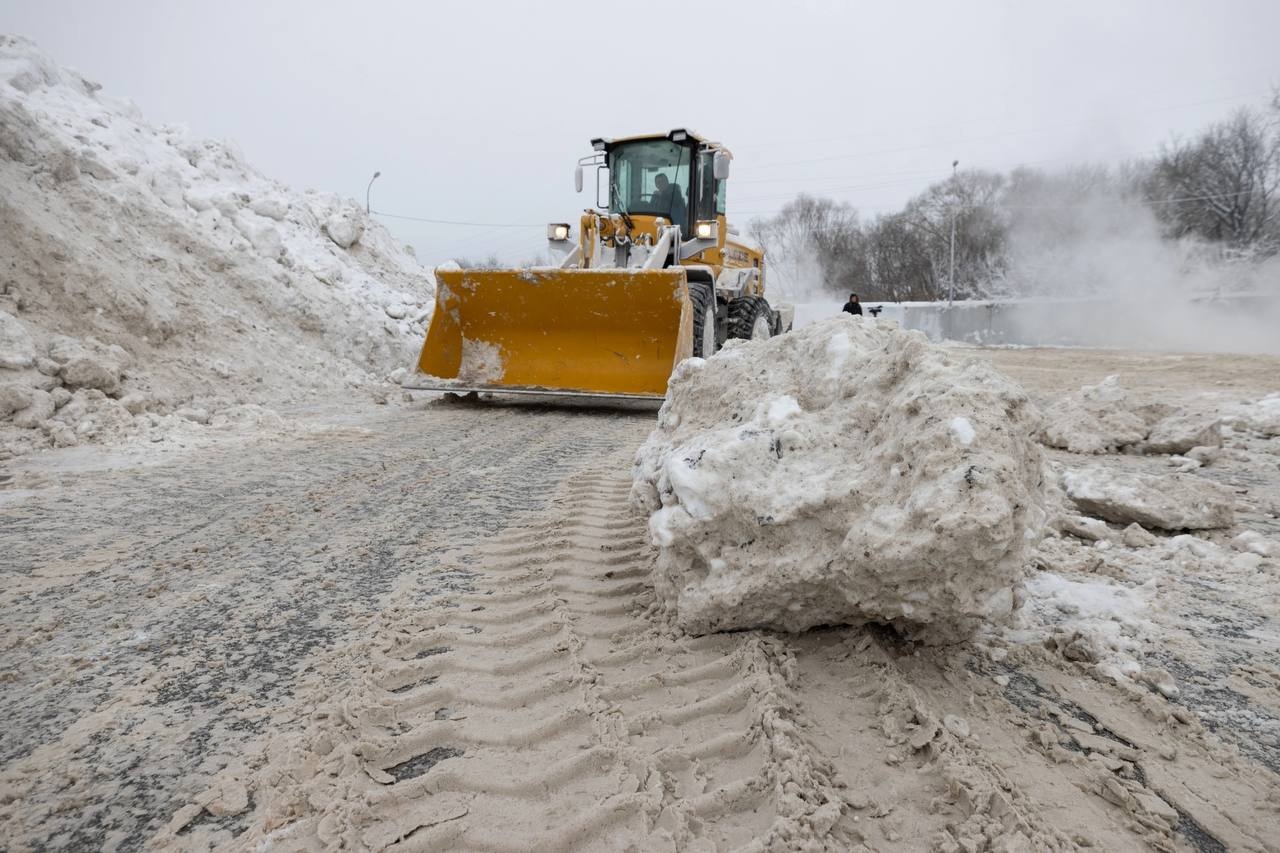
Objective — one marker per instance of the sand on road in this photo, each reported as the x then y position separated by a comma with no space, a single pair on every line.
432,628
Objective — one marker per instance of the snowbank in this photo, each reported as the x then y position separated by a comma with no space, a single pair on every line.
846,472
142,262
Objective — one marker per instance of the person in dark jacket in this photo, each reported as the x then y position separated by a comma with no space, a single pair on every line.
668,201
853,306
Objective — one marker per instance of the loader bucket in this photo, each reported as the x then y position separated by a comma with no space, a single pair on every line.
615,333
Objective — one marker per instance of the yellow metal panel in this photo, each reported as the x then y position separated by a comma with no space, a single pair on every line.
605,331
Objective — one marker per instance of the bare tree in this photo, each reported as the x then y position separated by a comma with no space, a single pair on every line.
1023,232
1221,186
972,198
899,264
811,238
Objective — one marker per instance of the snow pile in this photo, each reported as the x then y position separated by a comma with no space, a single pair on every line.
846,472
143,263
1096,419
1167,502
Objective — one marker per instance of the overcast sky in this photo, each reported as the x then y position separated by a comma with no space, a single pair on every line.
477,111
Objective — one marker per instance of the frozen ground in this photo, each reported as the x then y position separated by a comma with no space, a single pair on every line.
431,627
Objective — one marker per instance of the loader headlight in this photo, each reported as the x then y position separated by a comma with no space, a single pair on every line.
558,231
706,230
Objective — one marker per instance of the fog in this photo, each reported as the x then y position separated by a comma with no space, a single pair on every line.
1084,262
1117,281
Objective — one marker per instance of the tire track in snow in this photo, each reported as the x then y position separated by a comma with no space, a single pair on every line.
154,618
572,719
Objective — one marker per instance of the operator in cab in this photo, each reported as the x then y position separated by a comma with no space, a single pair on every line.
668,202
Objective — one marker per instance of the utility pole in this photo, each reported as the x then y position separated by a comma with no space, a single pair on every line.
951,279
368,189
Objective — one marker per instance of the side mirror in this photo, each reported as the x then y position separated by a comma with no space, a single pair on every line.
577,179
720,166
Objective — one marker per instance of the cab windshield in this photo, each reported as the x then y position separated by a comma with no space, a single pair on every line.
651,177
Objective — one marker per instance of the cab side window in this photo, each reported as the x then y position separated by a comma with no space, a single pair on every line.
708,204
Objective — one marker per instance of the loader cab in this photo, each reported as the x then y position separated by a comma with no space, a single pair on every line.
651,177
671,176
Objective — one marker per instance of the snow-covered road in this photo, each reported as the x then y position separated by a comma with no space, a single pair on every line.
431,627
155,617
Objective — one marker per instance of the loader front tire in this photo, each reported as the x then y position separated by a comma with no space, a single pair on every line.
750,317
703,299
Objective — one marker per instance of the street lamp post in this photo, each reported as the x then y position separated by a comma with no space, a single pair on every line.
369,189
951,278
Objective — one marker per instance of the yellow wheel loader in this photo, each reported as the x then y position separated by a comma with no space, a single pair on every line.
653,275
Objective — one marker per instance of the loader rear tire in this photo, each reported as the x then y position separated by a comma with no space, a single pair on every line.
750,317
703,299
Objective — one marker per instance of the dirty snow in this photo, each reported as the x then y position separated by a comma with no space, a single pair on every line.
1097,419
1181,433
1164,501
1261,416
1098,621
481,363
844,473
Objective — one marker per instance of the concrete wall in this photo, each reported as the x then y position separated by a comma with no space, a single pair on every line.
1245,323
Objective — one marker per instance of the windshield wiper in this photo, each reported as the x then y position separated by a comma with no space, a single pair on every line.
622,205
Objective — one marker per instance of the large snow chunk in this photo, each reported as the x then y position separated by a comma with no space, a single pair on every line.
14,398
344,228
89,372
1096,419
272,207
89,363
1166,502
1261,417
843,473
17,350
1181,432
265,239
40,408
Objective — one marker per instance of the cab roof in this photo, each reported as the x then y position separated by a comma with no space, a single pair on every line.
679,134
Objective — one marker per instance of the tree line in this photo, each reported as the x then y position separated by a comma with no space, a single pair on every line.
1218,190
